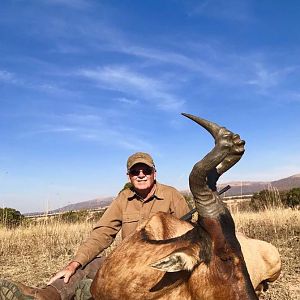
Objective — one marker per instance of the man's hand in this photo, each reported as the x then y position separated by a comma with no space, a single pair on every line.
67,272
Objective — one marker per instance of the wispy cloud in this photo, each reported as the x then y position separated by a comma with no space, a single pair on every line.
195,64
134,84
50,86
265,78
295,96
7,77
103,135
78,4
93,128
223,66
127,101
235,10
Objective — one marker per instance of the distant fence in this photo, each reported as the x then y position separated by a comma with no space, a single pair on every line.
235,203
226,198
54,214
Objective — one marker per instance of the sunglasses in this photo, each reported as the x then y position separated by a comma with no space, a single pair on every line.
136,172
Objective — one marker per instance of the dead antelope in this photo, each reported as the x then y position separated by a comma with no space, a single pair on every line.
169,258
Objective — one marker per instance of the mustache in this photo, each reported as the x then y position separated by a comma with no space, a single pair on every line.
142,179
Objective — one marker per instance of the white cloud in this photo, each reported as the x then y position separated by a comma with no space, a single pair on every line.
78,4
92,128
294,96
134,84
105,135
218,63
35,84
265,78
87,119
195,64
127,101
235,10
7,77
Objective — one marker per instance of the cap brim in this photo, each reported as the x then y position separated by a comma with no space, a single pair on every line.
141,161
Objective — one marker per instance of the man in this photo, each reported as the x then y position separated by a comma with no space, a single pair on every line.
131,208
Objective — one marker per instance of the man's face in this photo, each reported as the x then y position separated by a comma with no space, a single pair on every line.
142,176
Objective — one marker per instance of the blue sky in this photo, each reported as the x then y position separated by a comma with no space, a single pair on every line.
84,84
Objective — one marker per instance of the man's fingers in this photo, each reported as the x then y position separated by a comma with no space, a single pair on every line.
53,279
57,276
67,277
67,272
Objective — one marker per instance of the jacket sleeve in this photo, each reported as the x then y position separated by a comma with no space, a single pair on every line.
179,206
102,235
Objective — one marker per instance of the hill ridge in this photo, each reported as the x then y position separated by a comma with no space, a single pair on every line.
237,188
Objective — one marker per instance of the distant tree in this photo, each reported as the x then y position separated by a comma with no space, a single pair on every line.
265,199
96,216
73,216
293,197
283,197
10,217
80,216
127,185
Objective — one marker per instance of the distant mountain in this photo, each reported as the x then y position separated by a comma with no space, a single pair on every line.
90,204
250,187
237,188
287,183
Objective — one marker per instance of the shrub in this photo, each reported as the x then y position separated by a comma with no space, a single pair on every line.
127,185
74,216
266,199
79,216
272,198
10,217
96,216
293,198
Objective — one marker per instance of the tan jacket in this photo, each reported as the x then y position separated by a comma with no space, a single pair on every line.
127,211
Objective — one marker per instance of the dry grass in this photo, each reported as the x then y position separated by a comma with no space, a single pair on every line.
281,227
33,254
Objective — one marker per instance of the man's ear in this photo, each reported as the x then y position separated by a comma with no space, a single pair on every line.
154,174
179,260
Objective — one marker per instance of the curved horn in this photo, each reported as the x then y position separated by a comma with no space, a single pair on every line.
208,202
211,127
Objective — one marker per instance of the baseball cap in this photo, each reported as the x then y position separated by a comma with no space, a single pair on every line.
140,157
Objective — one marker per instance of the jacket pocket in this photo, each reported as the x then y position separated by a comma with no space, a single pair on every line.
131,217
130,223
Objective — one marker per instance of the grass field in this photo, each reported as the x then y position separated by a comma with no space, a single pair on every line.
33,254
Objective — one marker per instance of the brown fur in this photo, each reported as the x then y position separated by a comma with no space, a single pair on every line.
126,273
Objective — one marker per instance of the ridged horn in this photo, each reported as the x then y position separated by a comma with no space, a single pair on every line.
208,202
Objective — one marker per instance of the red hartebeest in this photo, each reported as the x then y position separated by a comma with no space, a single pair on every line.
169,258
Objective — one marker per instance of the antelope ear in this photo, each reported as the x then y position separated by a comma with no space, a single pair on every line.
179,260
